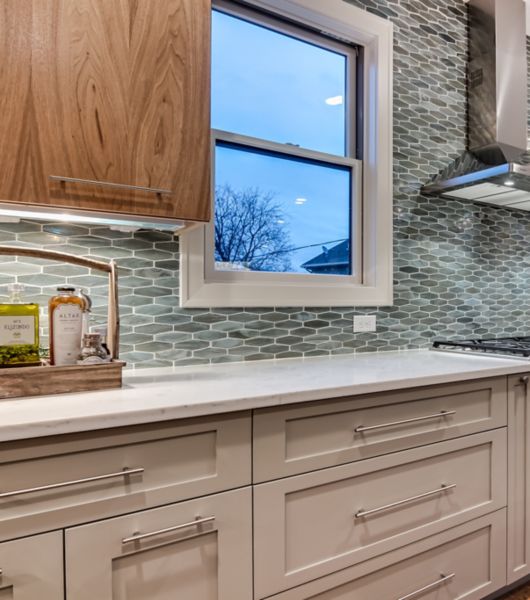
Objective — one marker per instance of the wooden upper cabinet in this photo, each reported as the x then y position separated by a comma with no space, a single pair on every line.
112,92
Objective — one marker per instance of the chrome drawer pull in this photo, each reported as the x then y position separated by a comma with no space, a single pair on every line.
143,536
443,579
123,186
53,486
440,415
365,513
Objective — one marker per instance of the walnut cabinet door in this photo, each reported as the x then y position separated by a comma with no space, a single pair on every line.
100,98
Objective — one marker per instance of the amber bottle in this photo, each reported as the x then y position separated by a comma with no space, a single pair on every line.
65,313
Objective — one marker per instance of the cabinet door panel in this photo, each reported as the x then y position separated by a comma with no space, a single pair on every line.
22,175
187,569
518,479
208,561
133,107
32,568
170,108
111,92
80,65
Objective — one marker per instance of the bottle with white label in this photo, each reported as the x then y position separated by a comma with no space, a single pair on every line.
19,330
66,326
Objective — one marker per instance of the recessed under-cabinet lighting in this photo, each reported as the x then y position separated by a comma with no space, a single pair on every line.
8,214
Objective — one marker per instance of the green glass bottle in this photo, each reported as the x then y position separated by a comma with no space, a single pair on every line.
19,330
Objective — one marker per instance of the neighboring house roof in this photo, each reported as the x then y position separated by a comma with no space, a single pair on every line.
336,259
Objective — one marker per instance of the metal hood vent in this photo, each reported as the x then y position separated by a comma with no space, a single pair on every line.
494,170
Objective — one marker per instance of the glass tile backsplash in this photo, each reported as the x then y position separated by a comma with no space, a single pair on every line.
460,269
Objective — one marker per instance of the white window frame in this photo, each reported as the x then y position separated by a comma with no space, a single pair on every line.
203,286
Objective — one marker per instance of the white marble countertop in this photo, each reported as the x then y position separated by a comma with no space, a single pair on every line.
161,394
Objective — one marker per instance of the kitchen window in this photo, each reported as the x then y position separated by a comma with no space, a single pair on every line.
296,120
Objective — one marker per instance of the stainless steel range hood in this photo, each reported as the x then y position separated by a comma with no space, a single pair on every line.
493,170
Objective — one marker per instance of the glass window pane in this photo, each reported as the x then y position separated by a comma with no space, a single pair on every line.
272,86
279,213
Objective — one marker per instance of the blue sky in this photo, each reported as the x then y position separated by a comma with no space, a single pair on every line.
274,87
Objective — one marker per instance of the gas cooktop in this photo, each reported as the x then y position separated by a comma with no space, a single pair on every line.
506,346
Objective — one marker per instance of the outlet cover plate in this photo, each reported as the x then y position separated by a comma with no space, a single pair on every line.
364,323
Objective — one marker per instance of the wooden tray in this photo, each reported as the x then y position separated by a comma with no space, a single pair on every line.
16,382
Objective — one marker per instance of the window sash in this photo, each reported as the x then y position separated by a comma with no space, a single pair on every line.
319,39
211,274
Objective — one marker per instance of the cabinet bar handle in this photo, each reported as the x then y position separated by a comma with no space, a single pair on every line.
123,186
443,579
54,486
365,513
142,536
440,415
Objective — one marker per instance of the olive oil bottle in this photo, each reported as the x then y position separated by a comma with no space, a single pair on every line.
19,330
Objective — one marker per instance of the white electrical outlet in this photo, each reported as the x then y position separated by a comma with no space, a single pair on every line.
364,323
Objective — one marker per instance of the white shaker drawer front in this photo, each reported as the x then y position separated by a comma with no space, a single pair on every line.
32,568
195,550
464,563
73,479
311,525
303,438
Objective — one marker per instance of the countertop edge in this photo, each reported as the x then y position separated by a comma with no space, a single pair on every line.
123,418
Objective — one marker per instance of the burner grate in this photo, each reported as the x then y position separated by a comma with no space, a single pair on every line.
517,346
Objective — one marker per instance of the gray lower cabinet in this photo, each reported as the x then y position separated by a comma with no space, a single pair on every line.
518,478
305,437
84,477
464,563
310,525
32,568
198,550
416,493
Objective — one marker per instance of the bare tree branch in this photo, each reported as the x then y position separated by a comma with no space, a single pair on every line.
249,230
